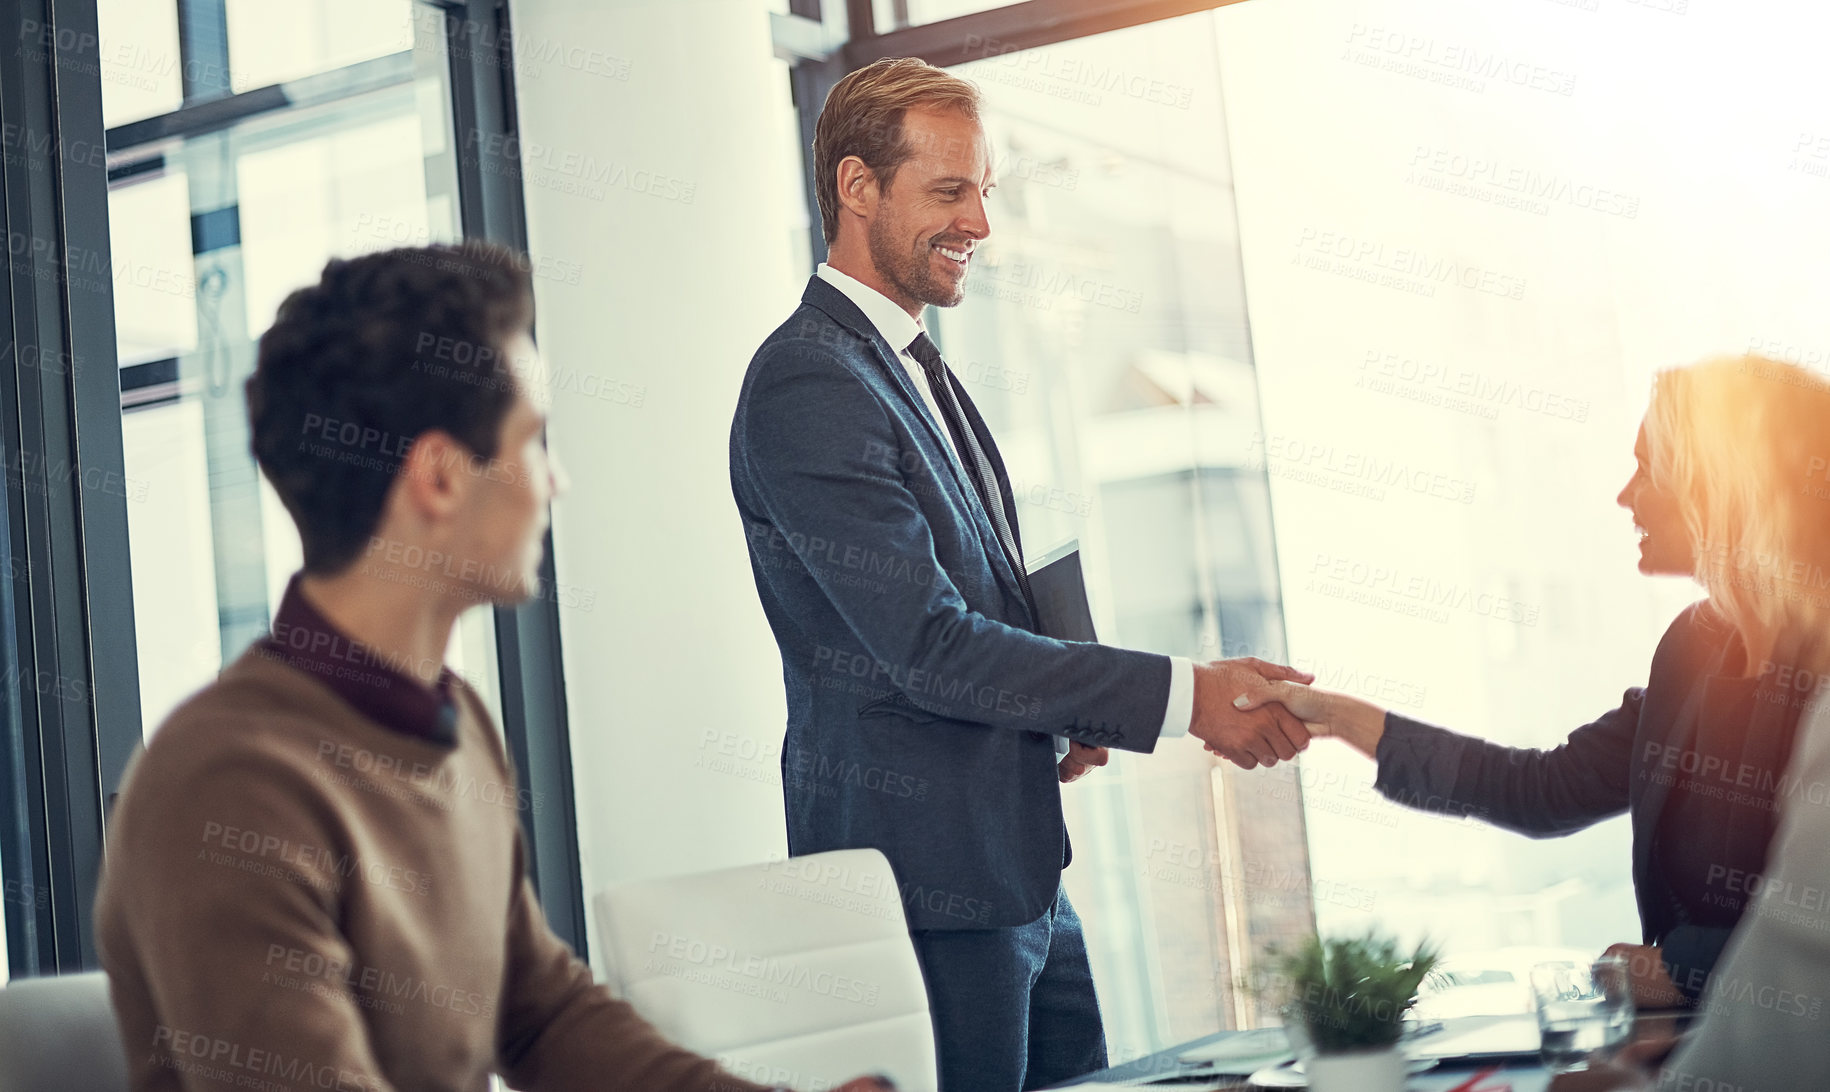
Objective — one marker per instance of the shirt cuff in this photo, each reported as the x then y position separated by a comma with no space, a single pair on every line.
1179,714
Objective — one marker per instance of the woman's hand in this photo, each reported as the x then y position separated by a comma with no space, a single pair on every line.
1650,982
1326,712
1605,1077
1632,1070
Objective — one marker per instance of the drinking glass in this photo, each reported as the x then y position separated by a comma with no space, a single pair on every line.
1584,1013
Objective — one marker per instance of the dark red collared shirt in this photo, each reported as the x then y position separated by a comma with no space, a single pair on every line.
370,681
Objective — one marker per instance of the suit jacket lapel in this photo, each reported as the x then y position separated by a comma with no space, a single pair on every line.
990,446
1683,729
834,303
1681,735
1768,745
843,311
976,423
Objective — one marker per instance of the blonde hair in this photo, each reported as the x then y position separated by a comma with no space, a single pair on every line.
863,117
1741,443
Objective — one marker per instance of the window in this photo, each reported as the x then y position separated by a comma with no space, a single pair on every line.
1463,266
1465,436
155,134
141,69
271,43
1452,370
210,232
1104,337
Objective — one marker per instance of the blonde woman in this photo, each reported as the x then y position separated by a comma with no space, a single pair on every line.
1697,755
1763,1016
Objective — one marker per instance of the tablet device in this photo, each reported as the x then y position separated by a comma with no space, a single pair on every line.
1059,588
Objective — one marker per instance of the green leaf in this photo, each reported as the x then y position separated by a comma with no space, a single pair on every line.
1351,992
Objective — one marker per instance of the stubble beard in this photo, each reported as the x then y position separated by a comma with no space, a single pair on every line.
911,275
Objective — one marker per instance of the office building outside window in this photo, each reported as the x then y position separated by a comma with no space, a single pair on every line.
1104,336
217,225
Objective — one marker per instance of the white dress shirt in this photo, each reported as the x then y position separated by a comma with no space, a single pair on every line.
899,328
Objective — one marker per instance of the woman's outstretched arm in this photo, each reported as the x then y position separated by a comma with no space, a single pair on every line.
1538,793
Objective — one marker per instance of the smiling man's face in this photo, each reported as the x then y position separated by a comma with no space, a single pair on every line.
932,215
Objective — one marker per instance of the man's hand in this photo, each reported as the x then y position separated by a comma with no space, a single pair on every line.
1651,984
1632,1070
1079,761
1261,737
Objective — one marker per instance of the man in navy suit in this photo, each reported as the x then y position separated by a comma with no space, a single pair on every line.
923,706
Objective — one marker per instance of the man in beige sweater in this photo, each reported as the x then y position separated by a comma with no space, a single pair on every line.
315,875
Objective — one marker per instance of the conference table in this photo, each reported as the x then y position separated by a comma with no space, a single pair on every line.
1164,1071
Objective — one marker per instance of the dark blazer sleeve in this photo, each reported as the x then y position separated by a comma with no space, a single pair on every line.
1539,793
1690,953
820,457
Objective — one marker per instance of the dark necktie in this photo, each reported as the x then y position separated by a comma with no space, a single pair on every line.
971,456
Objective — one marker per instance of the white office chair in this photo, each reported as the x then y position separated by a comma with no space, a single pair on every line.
796,972
59,1035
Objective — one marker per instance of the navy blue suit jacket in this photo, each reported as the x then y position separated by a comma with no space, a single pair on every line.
920,699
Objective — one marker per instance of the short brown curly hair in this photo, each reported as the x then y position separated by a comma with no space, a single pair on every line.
863,117
385,347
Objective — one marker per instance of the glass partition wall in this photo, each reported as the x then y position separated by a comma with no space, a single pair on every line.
1157,171
1104,336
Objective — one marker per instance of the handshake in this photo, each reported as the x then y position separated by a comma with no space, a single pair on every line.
1255,713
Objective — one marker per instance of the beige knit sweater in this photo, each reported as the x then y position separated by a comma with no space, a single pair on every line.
297,898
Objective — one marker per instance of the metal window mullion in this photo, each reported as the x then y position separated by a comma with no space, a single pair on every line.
203,49
33,949
36,263
128,141
811,81
532,678
1011,28
860,19
75,609
101,624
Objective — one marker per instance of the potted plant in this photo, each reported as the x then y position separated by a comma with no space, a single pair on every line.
1345,1006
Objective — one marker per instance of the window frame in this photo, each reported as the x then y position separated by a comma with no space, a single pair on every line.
1030,24
74,602
74,595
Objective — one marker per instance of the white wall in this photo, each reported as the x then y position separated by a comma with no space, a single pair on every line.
655,285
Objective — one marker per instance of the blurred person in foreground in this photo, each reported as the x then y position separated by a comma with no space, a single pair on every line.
1697,756
316,874
1762,1019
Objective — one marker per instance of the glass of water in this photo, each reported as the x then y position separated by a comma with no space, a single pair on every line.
1584,1013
